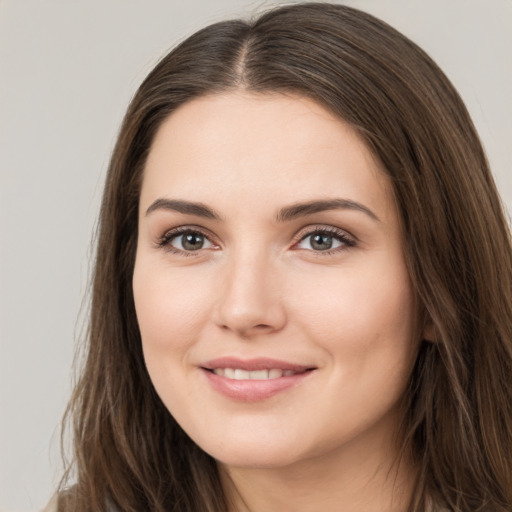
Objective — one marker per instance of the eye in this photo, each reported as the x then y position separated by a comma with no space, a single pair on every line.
325,240
185,241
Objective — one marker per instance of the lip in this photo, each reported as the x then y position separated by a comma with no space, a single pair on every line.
254,390
260,363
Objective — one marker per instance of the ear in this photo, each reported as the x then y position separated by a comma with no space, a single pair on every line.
429,332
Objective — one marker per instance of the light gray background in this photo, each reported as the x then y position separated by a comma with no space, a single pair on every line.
67,71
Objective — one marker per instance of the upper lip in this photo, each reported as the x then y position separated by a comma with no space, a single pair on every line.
254,364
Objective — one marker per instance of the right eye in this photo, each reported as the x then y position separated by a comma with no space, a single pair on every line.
186,241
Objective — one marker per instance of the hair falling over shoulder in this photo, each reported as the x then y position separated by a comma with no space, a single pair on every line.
129,453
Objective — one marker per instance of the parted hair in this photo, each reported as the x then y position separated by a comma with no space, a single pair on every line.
129,452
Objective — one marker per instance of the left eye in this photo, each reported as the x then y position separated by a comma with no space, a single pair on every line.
190,241
323,241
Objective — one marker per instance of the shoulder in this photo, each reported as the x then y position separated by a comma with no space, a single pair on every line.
53,504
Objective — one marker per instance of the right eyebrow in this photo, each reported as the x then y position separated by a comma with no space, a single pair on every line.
186,207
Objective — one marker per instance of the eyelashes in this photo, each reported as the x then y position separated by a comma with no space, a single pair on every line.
321,240
325,240
186,241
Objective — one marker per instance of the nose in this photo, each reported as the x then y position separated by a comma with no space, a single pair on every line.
250,298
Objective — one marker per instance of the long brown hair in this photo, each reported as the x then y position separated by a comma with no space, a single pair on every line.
129,451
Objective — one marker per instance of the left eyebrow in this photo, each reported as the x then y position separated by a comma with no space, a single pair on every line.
302,209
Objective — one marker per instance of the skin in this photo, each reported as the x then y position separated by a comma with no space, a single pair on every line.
261,288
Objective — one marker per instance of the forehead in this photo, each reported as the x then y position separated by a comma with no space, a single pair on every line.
270,147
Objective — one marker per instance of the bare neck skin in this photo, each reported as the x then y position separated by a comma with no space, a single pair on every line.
364,475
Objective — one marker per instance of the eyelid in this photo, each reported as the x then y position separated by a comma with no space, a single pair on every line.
344,236
327,228
164,241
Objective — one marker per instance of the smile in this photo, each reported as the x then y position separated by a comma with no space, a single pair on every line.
240,374
255,379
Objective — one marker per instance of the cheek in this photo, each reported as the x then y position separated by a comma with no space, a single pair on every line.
365,326
171,309
360,315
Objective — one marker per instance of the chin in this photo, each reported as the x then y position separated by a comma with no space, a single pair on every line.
255,459
257,454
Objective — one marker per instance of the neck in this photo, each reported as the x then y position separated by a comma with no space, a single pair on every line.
359,476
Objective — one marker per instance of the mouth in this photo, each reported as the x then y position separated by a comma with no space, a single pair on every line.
254,380
240,374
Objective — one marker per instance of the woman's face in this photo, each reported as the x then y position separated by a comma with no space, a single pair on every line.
274,304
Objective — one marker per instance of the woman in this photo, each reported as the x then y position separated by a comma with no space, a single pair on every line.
302,292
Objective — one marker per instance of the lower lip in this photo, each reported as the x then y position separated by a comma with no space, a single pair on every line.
253,390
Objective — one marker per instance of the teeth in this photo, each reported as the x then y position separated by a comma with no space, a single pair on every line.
242,374
259,375
238,374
